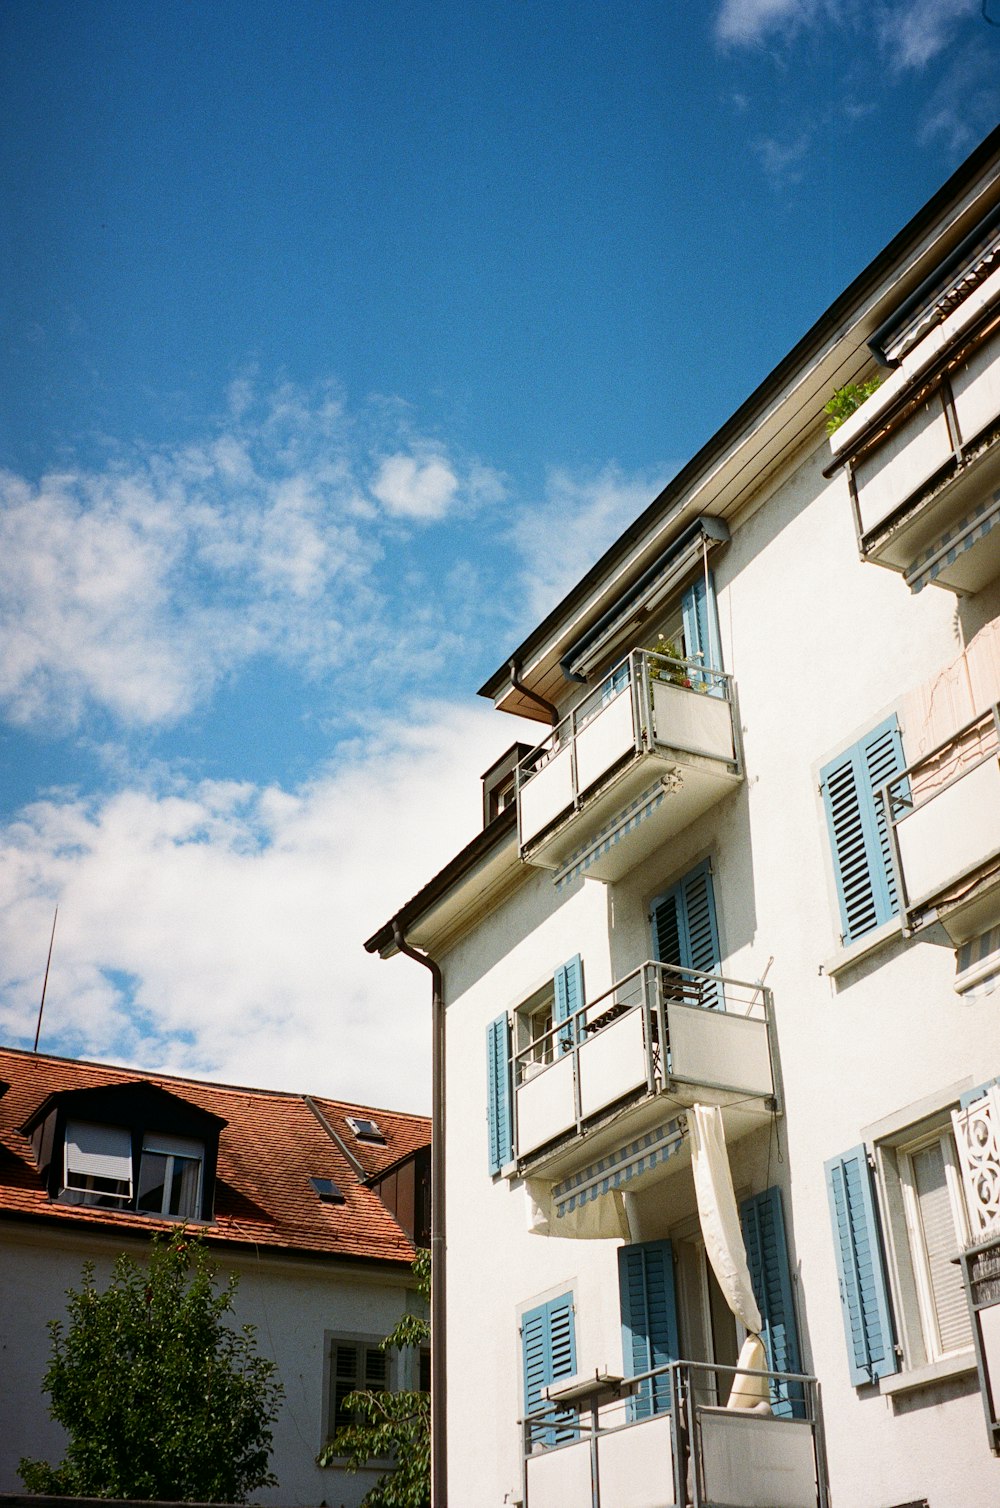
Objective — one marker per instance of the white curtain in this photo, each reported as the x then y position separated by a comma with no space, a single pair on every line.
720,1227
595,1219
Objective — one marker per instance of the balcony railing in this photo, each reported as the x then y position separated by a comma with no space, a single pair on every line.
659,1440
702,1035
645,753
944,826
923,472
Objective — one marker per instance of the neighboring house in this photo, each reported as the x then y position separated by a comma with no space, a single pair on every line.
753,867
284,1188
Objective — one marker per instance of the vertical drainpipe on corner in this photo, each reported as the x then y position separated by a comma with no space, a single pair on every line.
439,1384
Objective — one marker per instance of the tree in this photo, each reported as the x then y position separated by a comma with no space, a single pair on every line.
396,1425
160,1399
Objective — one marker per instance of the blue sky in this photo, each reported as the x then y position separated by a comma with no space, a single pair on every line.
337,339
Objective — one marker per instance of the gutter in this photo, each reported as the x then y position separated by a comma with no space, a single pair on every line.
439,1373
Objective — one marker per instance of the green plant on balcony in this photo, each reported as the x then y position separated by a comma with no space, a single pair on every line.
846,399
676,674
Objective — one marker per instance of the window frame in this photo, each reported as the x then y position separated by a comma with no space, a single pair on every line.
183,1148
366,1343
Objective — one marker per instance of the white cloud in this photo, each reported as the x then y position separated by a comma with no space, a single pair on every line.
745,23
783,161
415,489
136,587
913,33
237,915
561,537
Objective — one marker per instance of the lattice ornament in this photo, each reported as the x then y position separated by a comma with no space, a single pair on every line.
977,1134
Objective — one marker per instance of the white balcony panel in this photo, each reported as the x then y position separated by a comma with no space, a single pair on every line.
952,834
757,1462
546,794
716,1047
902,463
612,1063
560,1478
636,1465
694,720
976,387
603,740
545,1105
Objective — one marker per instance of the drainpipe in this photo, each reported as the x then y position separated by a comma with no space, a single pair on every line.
439,1415
518,685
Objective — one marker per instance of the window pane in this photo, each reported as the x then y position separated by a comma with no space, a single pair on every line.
152,1182
941,1243
184,1183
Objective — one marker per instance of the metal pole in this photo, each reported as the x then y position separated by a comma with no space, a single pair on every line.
45,981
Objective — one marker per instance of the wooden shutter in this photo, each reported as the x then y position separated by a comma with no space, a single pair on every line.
548,1352
568,983
864,1293
859,831
649,1320
685,930
498,1094
767,1258
701,630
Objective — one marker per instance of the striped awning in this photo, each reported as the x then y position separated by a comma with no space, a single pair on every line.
977,964
618,1167
623,822
954,542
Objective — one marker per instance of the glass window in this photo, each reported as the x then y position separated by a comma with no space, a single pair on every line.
170,1177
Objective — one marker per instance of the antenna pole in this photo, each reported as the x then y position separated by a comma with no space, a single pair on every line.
45,982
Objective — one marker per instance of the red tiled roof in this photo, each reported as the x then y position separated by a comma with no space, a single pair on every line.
270,1147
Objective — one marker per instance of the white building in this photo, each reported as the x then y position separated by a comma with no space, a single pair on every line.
312,1202
754,865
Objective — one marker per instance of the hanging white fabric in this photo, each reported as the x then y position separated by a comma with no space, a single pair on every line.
596,1220
720,1228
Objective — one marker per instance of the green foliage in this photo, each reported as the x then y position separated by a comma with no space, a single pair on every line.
846,399
159,1398
394,1426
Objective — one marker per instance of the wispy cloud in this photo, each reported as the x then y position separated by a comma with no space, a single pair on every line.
217,927
134,588
914,33
745,23
784,162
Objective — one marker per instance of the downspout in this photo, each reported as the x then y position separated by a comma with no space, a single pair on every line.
439,1413
518,685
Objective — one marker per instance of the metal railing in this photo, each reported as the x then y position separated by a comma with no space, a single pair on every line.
927,780
632,677
653,991
683,1397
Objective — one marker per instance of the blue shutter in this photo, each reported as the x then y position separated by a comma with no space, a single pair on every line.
685,930
864,1292
498,1094
767,1258
701,630
548,1351
859,832
568,982
649,1320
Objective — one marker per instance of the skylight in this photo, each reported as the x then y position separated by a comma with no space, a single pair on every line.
327,1190
365,1129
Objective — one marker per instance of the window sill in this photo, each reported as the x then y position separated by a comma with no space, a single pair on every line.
935,1371
845,958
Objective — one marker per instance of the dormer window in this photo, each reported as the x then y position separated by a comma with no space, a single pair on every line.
131,1147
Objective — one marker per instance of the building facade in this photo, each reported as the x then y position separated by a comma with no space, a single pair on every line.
720,974
284,1188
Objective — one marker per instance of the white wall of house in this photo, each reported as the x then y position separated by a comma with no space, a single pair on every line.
823,648
296,1305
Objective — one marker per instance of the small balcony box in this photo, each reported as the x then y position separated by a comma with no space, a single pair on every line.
654,746
944,825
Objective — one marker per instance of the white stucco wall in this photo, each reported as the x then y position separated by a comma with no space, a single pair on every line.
823,648
295,1305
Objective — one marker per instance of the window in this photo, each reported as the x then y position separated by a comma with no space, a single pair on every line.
170,1177
365,1129
685,930
548,1351
649,1320
356,1365
534,1030
859,836
899,1220
98,1165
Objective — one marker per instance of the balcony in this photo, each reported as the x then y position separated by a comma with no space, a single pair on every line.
649,750
944,827
923,455
598,1077
614,1449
